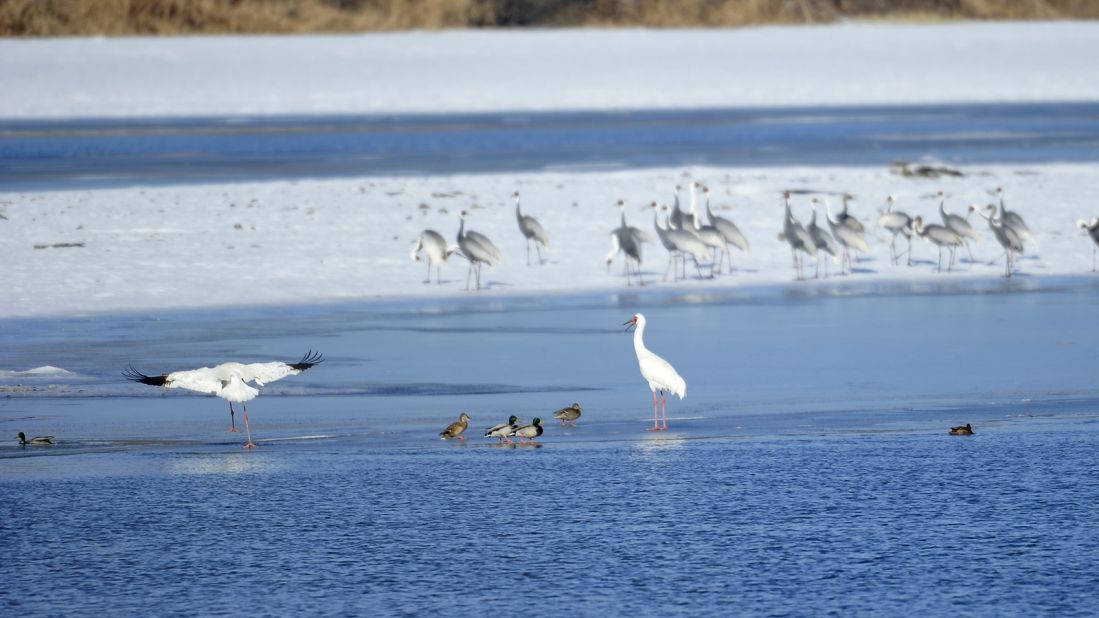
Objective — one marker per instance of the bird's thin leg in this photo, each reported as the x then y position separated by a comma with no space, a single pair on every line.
428,280
664,411
538,248
909,252
939,266
478,275
995,259
468,274
232,419
438,275
825,268
893,250
528,252
816,271
656,426
248,429
666,268
970,250
953,254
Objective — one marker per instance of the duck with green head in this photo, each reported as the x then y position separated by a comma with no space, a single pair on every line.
530,433
568,415
503,431
457,428
36,441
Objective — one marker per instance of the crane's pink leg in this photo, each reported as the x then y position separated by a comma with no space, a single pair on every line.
656,426
664,411
232,419
249,444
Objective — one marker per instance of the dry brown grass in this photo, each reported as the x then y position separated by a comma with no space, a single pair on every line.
130,17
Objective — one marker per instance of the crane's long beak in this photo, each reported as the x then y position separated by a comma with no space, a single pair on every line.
629,324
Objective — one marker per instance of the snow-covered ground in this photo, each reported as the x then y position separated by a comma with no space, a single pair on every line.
550,70
300,241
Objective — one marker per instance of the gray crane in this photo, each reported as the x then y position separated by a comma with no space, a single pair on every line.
896,222
476,248
822,239
941,236
1092,228
797,237
532,230
728,230
1006,235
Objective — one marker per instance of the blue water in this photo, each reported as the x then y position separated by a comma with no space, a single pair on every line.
808,471
75,153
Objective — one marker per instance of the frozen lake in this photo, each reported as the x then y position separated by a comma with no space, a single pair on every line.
808,470
60,154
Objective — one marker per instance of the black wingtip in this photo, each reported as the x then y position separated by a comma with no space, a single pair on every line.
133,374
311,358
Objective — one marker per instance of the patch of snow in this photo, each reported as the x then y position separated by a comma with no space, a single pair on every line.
349,239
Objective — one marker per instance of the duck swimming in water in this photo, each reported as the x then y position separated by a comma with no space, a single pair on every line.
457,428
36,441
569,415
964,430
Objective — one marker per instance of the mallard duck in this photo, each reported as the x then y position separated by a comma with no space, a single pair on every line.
569,414
455,429
37,440
531,431
503,430
961,431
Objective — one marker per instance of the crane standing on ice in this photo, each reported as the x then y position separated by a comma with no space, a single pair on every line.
532,230
658,372
229,381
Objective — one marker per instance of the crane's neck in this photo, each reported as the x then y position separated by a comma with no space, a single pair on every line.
518,212
462,228
639,339
942,207
693,199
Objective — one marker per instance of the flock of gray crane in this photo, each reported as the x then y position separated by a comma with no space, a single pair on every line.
685,235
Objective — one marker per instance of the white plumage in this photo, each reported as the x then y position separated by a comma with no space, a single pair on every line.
229,381
658,373
434,246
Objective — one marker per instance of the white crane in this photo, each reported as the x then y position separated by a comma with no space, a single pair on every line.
896,222
728,229
532,230
627,239
230,381
1005,235
476,248
658,372
822,239
798,238
939,235
1013,219
1092,228
958,224
434,246
847,236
